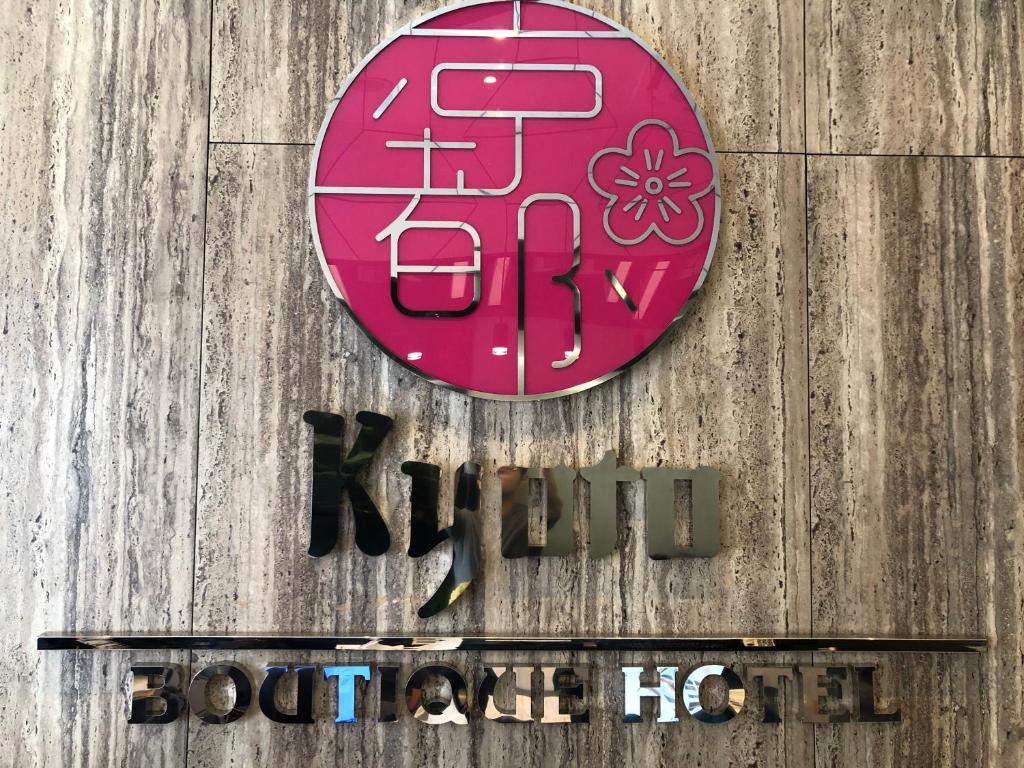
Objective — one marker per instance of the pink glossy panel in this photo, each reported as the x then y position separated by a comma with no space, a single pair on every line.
420,198
483,16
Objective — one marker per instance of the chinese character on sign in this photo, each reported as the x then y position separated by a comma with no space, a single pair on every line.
516,199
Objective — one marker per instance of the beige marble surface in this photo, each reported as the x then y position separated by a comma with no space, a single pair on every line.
276,63
853,367
102,170
921,77
916,313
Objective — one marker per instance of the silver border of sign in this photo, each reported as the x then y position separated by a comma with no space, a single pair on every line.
408,30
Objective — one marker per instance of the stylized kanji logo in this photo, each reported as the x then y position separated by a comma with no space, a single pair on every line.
516,199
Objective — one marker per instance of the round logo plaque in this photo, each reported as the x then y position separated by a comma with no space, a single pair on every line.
514,199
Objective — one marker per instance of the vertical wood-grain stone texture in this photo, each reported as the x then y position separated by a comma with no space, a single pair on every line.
916,280
853,367
920,77
102,171
276,63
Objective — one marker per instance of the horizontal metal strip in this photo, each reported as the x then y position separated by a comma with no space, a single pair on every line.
66,642
768,152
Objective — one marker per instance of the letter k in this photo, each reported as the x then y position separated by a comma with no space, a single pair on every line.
333,477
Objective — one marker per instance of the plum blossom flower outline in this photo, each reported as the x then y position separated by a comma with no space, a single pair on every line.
654,186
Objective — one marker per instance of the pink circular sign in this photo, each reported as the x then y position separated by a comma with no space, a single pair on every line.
515,199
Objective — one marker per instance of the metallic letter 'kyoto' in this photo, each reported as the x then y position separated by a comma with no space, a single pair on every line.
155,695
665,693
303,698
559,511
464,531
603,479
333,477
346,689
661,512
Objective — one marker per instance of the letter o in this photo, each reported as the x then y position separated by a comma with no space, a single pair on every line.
691,694
200,703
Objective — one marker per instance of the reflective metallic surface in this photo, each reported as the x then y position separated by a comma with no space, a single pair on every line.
822,692
304,695
328,431
199,703
620,290
867,710
347,689
691,694
664,690
519,679
241,642
388,694
558,505
437,694
424,534
562,696
464,532
771,689
333,477
705,530
154,694
604,478
397,228
504,66
571,356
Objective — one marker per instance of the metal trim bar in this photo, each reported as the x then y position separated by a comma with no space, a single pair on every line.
148,642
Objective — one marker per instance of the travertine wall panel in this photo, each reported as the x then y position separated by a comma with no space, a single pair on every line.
853,368
276,63
102,170
917,357
922,77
